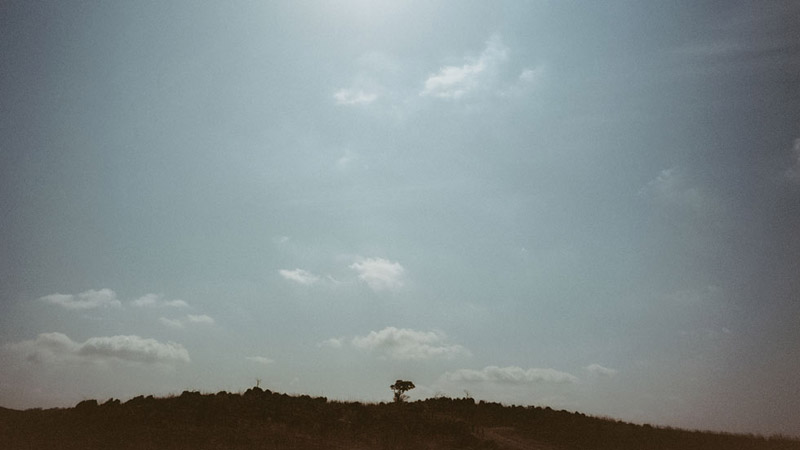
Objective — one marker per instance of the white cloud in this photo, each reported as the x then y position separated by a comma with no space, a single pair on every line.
380,274
351,97
190,318
299,276
58,347
374,70
47,347
259,359
147,300
510,375
133,348
598,370
407,344
793,172
454,82
176,304
157,300
201,318
85,300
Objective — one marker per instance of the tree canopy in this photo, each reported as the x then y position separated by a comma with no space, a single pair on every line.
399,388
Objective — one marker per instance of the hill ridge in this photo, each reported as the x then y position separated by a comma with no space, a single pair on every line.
263,419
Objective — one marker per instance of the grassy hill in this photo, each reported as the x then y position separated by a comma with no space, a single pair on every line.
259,419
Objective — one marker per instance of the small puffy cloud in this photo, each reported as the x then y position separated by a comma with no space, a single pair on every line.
58,347
380,274
350,97
510,375
793,172
85,300
600,371
157,300
147,300
200,318
407,344
259,359
299,276
453,82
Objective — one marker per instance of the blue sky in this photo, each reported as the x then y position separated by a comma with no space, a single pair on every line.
591,206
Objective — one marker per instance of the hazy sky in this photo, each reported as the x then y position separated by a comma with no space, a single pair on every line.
589,205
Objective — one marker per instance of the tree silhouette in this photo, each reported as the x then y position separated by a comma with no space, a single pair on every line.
400,387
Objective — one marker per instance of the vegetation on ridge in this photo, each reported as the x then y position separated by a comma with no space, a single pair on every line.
261,419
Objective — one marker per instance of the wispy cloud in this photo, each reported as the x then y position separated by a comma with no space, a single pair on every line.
530,75
332,343
408,344
347,160
671,188
299,276
600,371
171,323
454,82
510,375
685,201
354,97
147,300
374,70
201,319
58,347
380,274
527,80
157,300
259,359
85,300
743,40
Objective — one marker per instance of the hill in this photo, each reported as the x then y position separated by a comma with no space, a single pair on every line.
261,419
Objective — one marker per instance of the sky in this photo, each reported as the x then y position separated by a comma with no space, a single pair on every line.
592,206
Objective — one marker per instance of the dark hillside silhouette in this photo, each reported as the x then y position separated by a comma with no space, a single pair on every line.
261,419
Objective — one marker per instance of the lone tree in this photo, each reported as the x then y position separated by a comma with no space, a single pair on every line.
400,387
